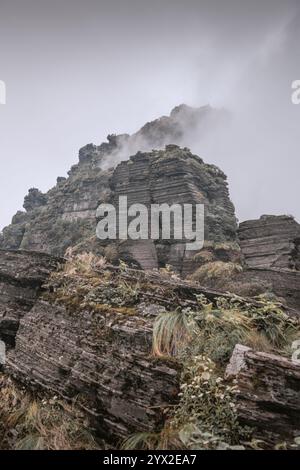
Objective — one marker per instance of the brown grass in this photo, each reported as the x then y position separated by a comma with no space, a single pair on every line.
216,271
40,423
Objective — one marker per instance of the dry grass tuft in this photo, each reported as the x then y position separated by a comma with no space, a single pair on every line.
170,334
84,263
40,423
216,271
214,330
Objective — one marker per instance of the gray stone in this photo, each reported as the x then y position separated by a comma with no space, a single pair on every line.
21,277
268,395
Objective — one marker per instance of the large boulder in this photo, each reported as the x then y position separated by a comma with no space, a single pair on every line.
268,393
271,242
271,257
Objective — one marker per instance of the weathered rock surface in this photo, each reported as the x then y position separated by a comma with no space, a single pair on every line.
174,176
103,359
34,199
271,242
270,251
101,355
21,277
268,396
89,336
285,284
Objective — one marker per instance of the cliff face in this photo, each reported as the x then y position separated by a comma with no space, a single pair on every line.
173,176
65,216
268,396
65,219
102,358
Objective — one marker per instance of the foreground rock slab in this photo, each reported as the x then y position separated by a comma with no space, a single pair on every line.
101,359
269,392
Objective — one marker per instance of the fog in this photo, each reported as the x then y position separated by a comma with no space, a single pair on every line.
76,71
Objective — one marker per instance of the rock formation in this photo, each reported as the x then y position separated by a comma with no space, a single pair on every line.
271,242
21,277
174,176
84,329
65,216
102,358
268,396
87,336
270,250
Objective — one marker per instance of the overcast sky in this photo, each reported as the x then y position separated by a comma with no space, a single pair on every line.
78,70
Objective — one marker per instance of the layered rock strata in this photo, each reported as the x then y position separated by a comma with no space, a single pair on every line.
268,397
21,277
270,250
171,176
271,242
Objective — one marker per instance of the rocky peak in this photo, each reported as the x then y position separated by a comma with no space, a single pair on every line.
65,216
34,199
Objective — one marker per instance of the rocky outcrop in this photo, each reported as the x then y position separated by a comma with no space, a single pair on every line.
173,176
21,277
65,216
270,251
98,353
103,359
271,242
86,332
87,335
34,199
90,337
284,284
65,220
268,393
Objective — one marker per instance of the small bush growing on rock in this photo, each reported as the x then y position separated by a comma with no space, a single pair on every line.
204,418
203,339
206,415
